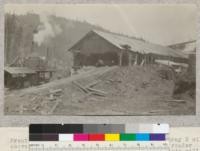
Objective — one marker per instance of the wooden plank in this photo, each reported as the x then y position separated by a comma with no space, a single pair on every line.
98,94
177,101
54,106
93,84
55,91
97,91
80,87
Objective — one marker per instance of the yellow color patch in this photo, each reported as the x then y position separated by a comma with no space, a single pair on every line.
112,137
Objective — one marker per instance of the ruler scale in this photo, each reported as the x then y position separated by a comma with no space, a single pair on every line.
98,146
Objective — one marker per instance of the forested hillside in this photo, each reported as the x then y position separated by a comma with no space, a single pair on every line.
47,36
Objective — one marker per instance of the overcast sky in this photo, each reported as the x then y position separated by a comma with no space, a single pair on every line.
161,24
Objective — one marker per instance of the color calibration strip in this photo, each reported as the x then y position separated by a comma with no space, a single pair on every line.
92,132
98,137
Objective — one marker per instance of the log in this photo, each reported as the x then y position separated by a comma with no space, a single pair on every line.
89,90
80,87
56,91
97,91
35,107
98,94
177,101
54,106
112,81
93,84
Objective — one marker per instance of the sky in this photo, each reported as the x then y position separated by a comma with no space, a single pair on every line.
163,24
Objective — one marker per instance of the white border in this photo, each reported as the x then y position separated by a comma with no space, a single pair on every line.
25,120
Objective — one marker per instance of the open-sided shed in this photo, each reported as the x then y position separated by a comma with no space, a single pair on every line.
115,49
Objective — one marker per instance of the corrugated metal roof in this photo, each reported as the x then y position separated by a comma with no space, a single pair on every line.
19,70
190,48
186,48
138,45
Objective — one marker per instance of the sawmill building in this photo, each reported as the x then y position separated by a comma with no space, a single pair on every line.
115,49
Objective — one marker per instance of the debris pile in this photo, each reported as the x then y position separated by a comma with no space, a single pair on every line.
135,90
129,81
121,91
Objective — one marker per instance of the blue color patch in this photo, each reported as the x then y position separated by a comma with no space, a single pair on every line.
142,137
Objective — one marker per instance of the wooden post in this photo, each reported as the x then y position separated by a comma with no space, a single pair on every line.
129,58
142,63
145,59
136,59
120,54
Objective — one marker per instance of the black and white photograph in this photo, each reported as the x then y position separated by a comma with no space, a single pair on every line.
100,59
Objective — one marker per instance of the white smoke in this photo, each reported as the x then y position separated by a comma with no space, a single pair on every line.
46,30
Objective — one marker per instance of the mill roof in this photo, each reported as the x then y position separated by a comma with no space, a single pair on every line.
19,70
136,45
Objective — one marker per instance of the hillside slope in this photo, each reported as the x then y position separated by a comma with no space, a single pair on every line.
48,36
114,91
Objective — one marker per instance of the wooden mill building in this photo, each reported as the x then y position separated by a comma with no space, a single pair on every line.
115,49
26,72
188,49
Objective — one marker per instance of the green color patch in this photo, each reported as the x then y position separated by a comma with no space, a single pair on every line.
127,137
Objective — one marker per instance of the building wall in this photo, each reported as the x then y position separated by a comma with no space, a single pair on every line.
93,48
192,65
19,81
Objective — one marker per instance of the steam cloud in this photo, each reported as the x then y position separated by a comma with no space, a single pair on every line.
46,30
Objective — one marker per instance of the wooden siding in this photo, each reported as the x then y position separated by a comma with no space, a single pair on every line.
192,64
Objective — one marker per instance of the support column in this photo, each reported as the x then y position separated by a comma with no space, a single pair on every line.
136,59
120,55
130,58
145,59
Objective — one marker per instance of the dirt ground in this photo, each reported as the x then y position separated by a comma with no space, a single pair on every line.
132,90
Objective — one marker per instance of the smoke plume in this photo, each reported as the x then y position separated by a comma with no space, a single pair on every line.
46,30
